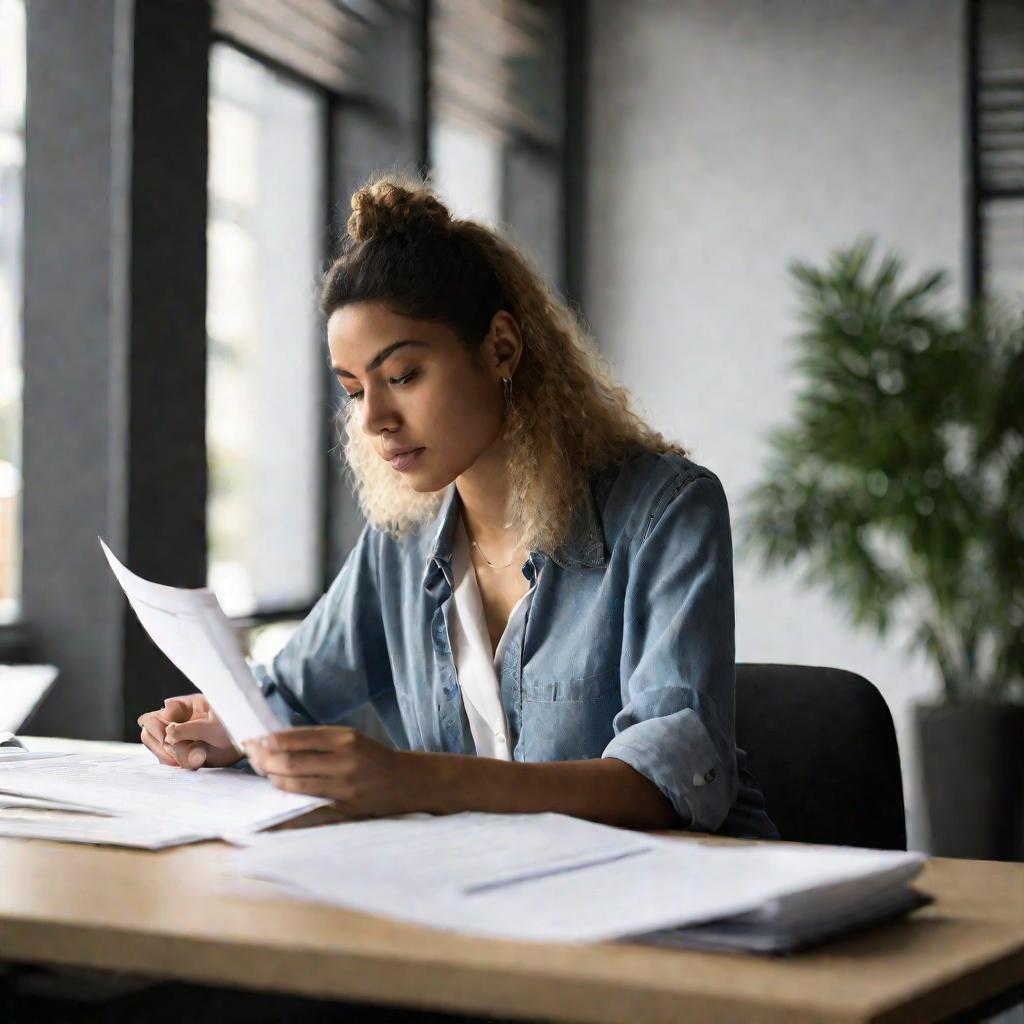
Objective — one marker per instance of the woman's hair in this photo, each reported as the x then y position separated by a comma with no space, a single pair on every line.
404,250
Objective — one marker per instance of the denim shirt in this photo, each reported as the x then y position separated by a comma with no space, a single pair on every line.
628,650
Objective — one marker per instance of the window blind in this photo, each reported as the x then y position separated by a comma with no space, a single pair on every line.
324,41
1000,146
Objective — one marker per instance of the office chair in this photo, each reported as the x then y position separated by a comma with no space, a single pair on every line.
821,744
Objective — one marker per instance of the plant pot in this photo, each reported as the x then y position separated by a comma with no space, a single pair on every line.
972,763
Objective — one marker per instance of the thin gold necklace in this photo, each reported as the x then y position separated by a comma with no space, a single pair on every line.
484,556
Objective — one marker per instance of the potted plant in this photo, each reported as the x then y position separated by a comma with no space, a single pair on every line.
899,486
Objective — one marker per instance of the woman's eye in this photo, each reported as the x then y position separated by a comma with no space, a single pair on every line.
406,379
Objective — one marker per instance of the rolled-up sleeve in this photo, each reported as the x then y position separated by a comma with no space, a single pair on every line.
676,726
337,660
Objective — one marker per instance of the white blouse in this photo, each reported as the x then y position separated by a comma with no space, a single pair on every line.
478,672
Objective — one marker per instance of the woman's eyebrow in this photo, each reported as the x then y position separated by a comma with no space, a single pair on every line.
380,357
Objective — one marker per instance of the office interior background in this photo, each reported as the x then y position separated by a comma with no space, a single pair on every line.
174,175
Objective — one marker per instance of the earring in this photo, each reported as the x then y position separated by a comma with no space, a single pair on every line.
507,384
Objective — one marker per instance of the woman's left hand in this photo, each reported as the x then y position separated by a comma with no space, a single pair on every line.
363,777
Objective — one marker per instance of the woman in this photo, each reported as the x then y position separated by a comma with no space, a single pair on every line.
542,580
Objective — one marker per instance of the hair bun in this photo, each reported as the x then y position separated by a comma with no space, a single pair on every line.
392,205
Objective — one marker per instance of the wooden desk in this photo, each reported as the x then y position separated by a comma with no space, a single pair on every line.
169,915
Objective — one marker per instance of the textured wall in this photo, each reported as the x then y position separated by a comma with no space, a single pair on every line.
726,140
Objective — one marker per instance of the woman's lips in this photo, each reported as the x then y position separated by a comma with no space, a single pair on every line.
406,459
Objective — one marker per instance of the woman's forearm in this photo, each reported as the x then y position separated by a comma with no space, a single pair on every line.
602,789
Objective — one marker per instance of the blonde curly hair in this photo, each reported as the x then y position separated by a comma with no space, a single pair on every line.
567,416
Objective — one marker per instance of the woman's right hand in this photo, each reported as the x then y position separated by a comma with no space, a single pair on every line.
186,733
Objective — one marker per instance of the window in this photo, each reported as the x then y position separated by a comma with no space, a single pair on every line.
497,119
266,431
12,160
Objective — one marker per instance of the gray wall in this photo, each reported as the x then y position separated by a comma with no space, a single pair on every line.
76,351
726,140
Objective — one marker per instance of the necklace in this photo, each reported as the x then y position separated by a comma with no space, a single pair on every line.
486,559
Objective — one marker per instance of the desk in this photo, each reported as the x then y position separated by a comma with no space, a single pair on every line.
168,915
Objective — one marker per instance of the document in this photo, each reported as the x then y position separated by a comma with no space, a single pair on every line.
552,878
8,755
9,802
210,802
134,832
22,689
469,852
190,627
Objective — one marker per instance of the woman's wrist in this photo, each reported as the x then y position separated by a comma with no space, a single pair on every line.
436,782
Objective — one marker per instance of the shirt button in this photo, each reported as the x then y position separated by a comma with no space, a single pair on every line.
500,737
709,776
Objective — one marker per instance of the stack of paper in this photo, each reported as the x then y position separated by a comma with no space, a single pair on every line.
161,804
134,832
549,877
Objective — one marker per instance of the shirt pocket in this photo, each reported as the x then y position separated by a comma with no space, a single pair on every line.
580,689
570,719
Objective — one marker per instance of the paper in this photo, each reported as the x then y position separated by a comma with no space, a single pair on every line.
8,755
190,627
493,875
22,689
208,802
472,852
10,802
135,832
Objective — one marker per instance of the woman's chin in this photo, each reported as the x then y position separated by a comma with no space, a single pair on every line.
425,483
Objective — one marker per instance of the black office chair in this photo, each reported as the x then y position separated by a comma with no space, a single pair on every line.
821,744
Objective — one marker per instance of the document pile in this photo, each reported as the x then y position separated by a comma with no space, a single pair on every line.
156,805
131,800
553,878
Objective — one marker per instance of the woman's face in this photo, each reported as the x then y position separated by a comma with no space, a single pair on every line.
417,384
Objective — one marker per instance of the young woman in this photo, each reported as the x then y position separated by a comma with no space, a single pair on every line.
543,580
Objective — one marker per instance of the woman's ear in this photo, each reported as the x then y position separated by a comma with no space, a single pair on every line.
503,344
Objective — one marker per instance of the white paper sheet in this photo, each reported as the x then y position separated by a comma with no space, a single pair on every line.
134,832
8,755
494,877
10,802
471,852
22,688
190,627
210,801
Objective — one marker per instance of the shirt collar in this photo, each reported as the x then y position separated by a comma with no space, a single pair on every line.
584,549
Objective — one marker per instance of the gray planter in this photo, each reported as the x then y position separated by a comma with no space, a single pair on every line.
972,761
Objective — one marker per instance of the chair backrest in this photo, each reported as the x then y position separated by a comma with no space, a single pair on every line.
821,744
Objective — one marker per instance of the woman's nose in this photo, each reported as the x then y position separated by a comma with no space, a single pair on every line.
378,413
